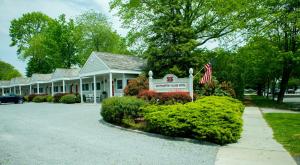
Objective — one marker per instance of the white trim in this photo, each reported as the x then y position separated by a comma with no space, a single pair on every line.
95,73
125,71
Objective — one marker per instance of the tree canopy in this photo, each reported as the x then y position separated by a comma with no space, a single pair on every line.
7,71
49,43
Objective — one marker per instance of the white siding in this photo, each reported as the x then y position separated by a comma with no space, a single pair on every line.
93,64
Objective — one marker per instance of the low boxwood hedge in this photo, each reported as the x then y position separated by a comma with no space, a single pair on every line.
68,99
115,109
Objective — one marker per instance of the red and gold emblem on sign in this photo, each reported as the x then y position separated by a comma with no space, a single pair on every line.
170,79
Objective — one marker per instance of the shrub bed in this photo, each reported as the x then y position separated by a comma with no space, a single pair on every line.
115,109
214,118
165,98
40,98
68,99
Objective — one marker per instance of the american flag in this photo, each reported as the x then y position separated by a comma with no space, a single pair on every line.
207,75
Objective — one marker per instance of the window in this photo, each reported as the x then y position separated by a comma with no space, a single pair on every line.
119,84
97,86
85,87
56,89
41,90
35,90
61,88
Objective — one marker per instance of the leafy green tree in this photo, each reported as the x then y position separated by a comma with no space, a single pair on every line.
169,31
96,34
24,28
279,22
7,71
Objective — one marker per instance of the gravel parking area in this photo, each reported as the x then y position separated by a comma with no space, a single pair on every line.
45,133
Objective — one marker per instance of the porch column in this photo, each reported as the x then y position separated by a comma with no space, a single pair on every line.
38,88
123,83
110,84
81,95
64,88
95,97
52,88
2,91
14,89
9,89
30,89
20,90
104,88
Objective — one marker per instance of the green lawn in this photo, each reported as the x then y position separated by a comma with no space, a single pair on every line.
286,128
263,102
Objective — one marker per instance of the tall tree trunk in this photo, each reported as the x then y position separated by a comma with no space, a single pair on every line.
284,82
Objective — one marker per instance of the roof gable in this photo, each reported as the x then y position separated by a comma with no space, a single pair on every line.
93,64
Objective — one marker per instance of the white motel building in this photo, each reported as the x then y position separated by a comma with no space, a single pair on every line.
103,75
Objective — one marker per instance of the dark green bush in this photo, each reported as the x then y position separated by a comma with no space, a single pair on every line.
40,99
115,109
68,99
214,118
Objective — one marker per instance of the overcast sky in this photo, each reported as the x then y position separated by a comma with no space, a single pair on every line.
11,9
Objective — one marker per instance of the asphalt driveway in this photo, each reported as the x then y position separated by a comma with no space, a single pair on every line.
45,133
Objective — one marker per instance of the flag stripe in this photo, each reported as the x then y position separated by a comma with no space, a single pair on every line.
207,75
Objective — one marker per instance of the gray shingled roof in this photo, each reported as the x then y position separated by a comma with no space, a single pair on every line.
65,73
4,83
40,77
122,62
21,80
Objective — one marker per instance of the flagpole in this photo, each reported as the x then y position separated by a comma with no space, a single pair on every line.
199,71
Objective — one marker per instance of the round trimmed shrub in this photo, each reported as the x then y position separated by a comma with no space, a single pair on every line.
115,109
39,99
68,99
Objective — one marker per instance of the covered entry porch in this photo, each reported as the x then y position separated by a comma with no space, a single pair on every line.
106,75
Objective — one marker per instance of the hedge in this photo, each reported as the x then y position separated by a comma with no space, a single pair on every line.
216,119
39,99
68,99
115,109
